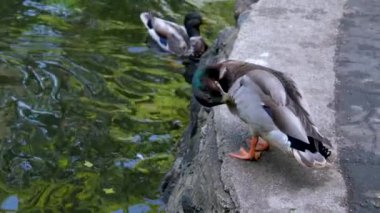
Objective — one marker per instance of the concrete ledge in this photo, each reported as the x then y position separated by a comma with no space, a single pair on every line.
297,37
294,36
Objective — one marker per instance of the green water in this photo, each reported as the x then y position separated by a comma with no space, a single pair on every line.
89,116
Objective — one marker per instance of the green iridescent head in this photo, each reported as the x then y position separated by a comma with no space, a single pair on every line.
209,87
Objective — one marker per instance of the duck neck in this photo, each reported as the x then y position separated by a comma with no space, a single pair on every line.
192,31
197,82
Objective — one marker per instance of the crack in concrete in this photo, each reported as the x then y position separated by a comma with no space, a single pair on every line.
221,157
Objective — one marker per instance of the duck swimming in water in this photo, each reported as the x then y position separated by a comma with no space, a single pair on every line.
179,40
270,103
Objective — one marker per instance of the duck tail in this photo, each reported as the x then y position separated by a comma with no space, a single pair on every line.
317,136
310,160
147,19
313,154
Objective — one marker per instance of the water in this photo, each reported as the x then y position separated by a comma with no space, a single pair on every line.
89,116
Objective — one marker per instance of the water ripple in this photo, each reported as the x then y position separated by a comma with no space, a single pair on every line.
78,87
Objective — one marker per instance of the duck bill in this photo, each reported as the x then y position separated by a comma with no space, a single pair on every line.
226,98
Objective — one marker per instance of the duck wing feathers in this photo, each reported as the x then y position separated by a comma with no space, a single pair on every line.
170,36
278,90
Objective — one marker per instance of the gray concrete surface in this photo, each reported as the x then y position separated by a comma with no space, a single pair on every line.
297,37
358,102
331,49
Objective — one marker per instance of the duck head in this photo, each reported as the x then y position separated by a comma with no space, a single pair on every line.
210,84
192,23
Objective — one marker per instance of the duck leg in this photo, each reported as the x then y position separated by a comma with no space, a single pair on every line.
253,153
262,145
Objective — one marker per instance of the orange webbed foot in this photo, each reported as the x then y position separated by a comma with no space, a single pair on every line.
252,154
244,155
262,145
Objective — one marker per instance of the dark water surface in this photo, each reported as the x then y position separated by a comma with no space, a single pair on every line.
89,116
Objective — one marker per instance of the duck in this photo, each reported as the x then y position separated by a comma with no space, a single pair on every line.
183,41
272,106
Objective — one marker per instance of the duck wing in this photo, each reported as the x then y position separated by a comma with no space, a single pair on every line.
178,29
170,36
296,103
178,40
273,95
288,92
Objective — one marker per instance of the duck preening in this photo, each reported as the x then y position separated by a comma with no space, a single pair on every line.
270,103
180,40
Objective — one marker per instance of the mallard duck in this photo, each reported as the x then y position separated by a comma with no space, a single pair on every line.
176,39
270,103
